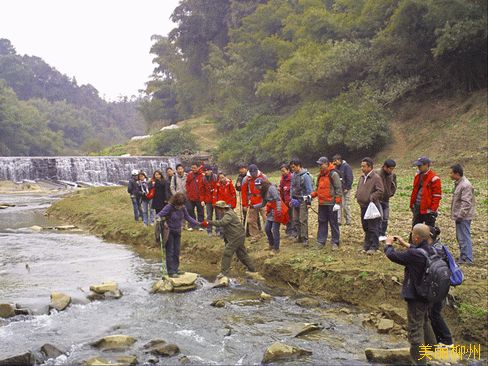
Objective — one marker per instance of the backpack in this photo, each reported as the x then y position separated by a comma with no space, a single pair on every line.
457,275
436,279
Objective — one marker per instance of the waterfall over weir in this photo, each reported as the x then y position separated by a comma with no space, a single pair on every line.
86,169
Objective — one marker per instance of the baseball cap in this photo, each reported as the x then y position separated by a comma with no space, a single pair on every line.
322,160
421,161
253,168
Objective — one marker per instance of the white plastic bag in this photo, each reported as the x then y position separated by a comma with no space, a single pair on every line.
372,212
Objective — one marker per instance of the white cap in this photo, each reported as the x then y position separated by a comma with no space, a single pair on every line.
135,172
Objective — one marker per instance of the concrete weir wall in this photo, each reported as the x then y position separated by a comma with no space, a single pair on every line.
89,169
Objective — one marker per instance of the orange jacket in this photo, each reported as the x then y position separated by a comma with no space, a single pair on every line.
329,187
431,192
249,192
225,192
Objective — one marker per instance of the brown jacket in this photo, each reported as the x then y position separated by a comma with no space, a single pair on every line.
389,185
463,202
370,189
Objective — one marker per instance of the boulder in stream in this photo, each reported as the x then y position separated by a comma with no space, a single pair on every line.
108,289
221,282
264,296
283,352
219,303
182,283
388,356
385,326
26,359
7,310
118,361
59,301
36,228
159,347
309,328
65,227
308,302
50,351
114,342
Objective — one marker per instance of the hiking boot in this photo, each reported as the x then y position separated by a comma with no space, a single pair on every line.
320,245
173,275
335,246
370,251
190,229
180,272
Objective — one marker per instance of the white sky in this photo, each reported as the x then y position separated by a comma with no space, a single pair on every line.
101,42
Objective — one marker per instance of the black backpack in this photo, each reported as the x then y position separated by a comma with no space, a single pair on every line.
436,279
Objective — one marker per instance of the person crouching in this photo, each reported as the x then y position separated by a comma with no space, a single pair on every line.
234,237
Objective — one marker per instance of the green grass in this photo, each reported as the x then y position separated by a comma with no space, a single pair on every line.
473,311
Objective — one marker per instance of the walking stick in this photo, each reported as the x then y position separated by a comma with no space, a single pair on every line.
163,264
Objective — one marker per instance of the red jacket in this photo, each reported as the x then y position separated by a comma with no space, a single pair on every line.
431,192
249,192
193,185
285,185
225,192
207,188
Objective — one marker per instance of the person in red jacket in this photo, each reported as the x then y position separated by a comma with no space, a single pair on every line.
285,194
426,193
207,189
225,191
251,196
193,186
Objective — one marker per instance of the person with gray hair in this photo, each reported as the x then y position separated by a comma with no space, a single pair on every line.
418,323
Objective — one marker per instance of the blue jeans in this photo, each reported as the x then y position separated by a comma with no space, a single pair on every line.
147,212
136,205
209,212
272,230
328,216
463,235
173,252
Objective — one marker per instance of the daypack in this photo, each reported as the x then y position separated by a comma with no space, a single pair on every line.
436,279
457,276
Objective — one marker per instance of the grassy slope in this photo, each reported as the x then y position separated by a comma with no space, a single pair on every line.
202,128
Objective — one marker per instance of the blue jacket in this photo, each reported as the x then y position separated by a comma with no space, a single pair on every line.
414,263
347,177
176,216
301,184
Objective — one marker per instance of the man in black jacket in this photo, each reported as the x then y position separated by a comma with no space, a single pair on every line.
347,179
133,190
419,328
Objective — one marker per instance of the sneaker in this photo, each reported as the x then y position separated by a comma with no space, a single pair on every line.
173,275
370,251
363,251
200,229
335,247
442,345
382,238
220,275
320,245
209,234
269,248
190,229
180,272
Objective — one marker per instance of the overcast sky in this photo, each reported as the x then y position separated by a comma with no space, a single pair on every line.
101,42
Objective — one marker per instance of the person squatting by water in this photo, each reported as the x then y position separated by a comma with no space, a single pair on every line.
234,237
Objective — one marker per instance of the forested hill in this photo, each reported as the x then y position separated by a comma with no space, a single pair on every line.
298,77
44,112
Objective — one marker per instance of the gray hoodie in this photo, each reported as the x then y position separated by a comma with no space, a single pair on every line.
178,184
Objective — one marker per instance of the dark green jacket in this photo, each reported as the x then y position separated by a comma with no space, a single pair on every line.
231,226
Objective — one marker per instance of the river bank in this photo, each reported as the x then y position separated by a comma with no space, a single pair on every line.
371,283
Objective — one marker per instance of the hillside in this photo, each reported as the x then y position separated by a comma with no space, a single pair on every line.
45,112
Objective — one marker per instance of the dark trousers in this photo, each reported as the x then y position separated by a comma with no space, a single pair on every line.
328,216
385,206
419,330
198,206
173,252
418,218
237,247
272,230
209,211
439,326
371,230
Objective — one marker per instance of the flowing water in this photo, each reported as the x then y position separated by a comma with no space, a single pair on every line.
70,262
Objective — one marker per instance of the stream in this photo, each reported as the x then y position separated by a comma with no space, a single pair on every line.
33,264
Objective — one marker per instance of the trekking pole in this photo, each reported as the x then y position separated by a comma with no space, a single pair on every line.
242,212
245,221
163,264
